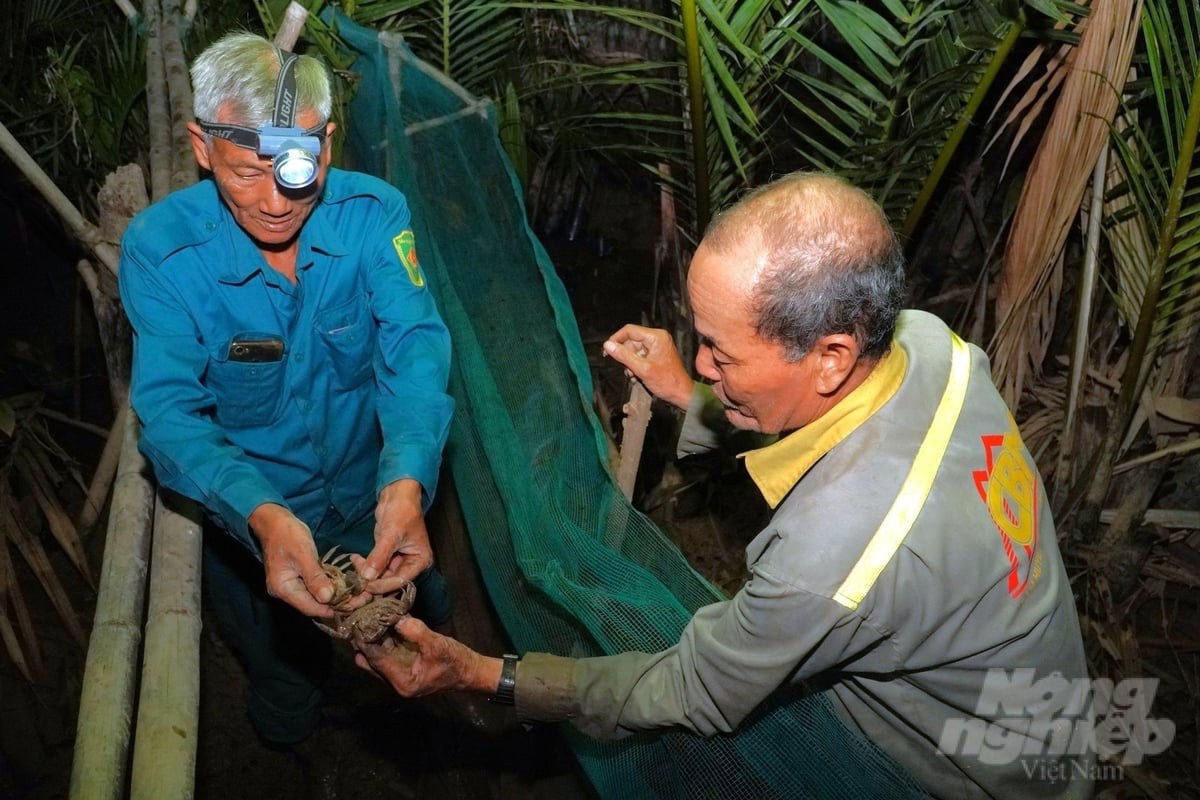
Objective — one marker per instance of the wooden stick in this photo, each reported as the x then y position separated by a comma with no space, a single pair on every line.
633,437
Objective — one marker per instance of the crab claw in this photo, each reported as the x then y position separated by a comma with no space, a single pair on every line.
346,582
342,631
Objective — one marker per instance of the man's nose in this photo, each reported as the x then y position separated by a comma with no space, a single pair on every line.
274,202
704,363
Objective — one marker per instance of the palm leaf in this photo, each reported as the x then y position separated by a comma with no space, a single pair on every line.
1138,210
878,100
1160,166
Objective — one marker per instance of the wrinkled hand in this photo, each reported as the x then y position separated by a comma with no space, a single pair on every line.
402,550
649,355
424,662
294,573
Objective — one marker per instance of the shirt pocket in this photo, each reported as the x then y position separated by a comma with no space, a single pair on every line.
347,332
248,393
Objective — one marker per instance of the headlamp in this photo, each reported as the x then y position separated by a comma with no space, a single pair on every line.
295,152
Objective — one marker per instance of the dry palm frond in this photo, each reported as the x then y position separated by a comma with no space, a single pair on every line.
1031,278
1173,570
35,556
20,643
1047,64
29,492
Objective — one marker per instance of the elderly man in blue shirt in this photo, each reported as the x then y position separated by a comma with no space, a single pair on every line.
289,371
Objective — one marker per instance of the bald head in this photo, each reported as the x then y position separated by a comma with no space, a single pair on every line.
813,255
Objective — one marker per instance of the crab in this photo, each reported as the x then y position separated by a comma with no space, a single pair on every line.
368,623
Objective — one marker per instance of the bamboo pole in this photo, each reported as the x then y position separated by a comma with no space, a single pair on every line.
164,751
183,167
291,27
157,104
102,478
110,674
1083,322
127,9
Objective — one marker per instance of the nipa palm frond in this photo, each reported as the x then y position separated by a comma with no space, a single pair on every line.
877,96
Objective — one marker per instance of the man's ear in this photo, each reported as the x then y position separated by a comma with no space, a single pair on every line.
199,146
327,145
837,354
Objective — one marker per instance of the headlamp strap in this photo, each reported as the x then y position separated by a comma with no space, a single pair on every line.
285,91
283,117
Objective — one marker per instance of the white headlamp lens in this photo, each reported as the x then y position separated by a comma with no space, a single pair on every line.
295,167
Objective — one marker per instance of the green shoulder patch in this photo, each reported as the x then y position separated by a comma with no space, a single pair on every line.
406,249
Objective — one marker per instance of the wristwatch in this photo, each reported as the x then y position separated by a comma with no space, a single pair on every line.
506,689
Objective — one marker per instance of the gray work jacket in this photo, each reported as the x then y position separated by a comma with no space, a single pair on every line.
910,570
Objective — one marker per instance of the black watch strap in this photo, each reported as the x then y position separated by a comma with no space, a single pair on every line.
506,690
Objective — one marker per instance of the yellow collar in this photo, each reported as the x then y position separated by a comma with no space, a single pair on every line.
778,467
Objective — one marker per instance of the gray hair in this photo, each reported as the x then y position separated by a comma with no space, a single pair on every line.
831,262
237,75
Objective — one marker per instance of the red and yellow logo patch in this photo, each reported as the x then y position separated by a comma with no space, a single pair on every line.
1008,487
406,249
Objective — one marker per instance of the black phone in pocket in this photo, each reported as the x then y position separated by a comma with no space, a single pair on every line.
256,351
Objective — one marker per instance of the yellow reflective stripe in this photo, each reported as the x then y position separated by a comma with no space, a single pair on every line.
915,490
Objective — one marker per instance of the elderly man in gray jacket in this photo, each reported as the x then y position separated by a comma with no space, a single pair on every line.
910,566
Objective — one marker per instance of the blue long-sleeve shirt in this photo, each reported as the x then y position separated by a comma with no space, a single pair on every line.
357,398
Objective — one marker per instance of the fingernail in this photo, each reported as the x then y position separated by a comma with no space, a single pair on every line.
369,573
610,347
325,594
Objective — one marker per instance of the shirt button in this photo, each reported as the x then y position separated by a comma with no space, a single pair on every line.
208,226
299,357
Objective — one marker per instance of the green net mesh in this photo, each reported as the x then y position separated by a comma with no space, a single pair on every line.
570,566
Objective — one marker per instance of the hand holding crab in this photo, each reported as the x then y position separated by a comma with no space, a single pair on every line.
354,620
